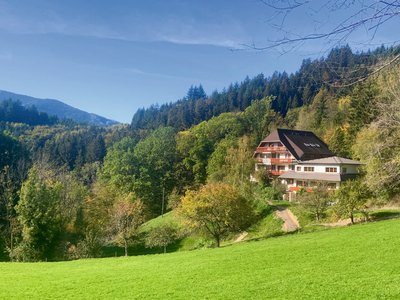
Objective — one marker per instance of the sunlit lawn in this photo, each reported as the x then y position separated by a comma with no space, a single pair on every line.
356,262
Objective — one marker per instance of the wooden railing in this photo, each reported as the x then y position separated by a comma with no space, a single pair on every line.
281,160
268,161
275,172
271,149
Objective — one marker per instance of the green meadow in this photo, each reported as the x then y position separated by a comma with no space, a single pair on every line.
356,262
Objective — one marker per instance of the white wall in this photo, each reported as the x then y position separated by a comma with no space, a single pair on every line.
351,169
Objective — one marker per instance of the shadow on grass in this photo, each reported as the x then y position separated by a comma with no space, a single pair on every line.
275,204
138,249
384,215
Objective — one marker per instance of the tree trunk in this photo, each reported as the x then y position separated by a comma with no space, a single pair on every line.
165,249
217,239
352,218
11,254
126,247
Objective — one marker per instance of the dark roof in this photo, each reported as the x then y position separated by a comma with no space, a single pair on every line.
304,145
317,176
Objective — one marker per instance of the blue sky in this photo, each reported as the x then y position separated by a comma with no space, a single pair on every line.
112,57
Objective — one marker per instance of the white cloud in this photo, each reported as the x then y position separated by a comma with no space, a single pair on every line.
137,71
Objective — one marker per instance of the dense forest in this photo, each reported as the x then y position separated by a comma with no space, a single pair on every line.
69,190
334,73
14,112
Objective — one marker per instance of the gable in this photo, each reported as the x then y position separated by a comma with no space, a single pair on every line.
303,145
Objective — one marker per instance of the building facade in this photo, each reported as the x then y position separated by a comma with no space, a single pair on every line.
330,171
301,160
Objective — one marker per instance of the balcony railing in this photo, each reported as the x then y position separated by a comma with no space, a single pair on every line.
271,149
276,172
281,160
269,161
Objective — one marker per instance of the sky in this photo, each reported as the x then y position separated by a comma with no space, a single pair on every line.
113,57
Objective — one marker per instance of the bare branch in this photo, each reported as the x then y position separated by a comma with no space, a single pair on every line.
371,15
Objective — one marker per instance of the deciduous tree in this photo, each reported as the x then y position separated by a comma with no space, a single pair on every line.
155,157
128,215
316,201
40,218
217,209
161,236
351,197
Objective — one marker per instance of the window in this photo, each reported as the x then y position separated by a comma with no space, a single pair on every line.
291,167
344,170
289,181
298,169
281,168
331,170
308,169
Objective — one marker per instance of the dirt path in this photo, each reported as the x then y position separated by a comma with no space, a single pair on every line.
339,223
289,219
241,237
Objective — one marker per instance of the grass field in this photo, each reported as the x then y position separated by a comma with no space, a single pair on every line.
356,262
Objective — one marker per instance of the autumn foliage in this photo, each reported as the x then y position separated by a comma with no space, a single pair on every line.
218,209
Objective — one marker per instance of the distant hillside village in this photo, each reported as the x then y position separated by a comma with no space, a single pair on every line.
301,160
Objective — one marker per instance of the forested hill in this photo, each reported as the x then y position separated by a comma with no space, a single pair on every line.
57,108
333,72
13,111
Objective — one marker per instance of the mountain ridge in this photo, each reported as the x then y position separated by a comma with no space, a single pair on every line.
54,107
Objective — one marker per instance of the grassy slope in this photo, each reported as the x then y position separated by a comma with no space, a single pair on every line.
268,226
358,262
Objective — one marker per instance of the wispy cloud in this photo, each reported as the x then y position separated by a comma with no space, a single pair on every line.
137,71
171,29
199,40
190,31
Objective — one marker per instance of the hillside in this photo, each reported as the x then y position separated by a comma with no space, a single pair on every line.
57,108
358,262
335,73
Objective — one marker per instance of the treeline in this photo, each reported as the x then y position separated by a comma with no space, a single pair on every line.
333,72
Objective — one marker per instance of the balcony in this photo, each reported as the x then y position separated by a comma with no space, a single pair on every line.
274,161
281,160
271,149
276,172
